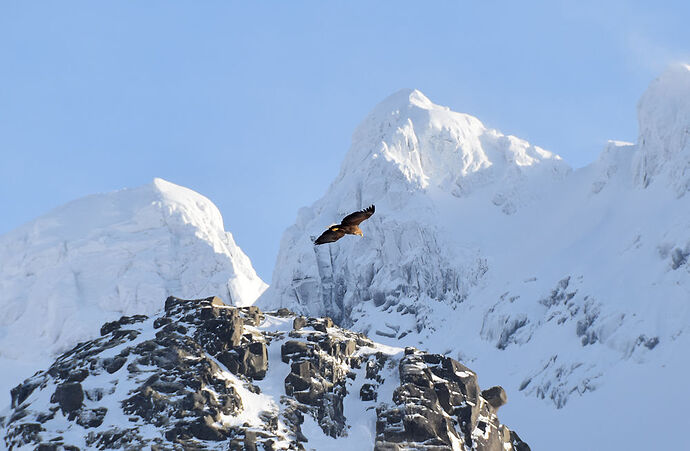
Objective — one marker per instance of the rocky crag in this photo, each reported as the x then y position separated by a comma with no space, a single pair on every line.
204,375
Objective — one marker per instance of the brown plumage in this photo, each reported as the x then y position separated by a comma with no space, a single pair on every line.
348,226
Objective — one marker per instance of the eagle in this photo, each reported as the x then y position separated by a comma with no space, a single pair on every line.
348,226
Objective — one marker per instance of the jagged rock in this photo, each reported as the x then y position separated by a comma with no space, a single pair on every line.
250,361
368,393
517,443
293,347
347,347
495,396
114,438
161,321
231,360
254,316
299,378
283,312
91,418
183,379
125,320
115,364
219,334
321,324
299,322
69,396
204,429
256,360
437,402
21,392
27,432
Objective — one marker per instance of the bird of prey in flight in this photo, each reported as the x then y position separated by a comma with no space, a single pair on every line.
348,226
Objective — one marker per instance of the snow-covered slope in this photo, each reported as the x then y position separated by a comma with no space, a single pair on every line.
573,285
409,157
106,255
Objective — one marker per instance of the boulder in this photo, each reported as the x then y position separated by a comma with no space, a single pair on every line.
299,322
495,396
291,348
256,360
69,396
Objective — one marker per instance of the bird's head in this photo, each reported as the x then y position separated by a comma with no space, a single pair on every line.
359,232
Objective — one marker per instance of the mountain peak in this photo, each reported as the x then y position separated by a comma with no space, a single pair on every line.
405,98
193,207
164,186
664,123
409,138
406,157
173,190
108,254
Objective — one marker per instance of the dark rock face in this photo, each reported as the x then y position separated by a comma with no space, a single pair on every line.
318,370
251,361
368,392
21,392
495,396
69,396
169,379
125,320
299,322
183,379
437,405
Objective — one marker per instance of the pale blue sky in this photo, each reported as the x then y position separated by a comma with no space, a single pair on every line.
253,103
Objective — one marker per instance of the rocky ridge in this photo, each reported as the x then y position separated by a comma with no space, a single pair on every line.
204,375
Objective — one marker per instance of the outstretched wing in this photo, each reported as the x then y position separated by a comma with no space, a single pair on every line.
357,217
332,234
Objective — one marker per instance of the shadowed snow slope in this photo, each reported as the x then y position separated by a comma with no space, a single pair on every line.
572,286
97,258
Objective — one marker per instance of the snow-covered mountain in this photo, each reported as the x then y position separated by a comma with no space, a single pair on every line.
97,258
573,285
416,161
570,288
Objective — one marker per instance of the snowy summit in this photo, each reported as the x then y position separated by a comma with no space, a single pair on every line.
97,258
564,285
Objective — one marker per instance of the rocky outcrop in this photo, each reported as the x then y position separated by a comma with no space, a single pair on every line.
203,375
438,405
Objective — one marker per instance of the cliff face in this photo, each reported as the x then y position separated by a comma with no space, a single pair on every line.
202,374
